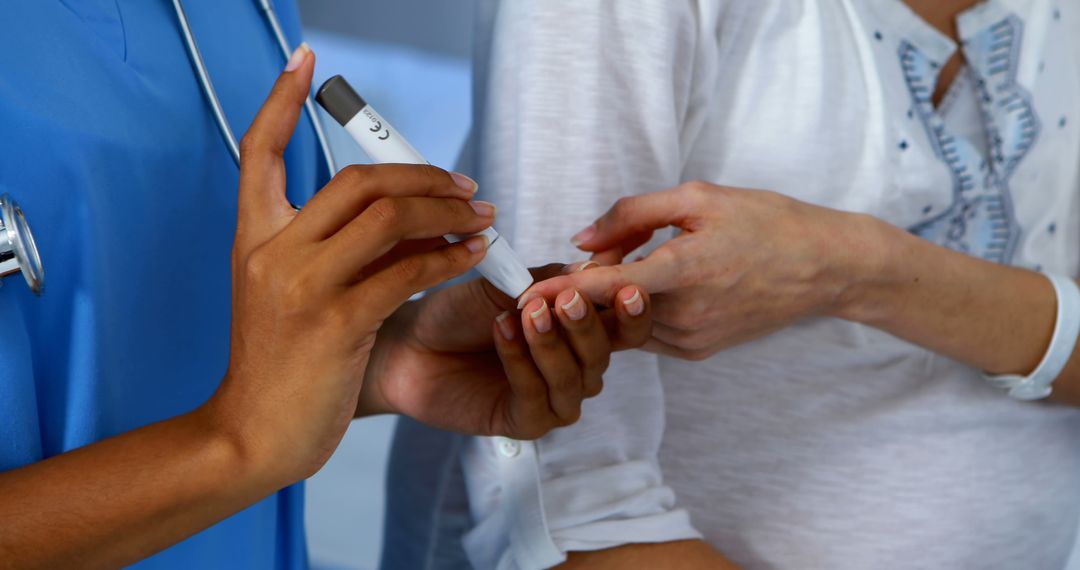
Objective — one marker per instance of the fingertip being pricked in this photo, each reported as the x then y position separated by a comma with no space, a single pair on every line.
632,299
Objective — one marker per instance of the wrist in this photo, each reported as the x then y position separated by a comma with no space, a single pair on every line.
372,400
250,459
868,280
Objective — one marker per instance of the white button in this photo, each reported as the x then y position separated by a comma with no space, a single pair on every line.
507,447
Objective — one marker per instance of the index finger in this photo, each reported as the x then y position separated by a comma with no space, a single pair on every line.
655,274
356,187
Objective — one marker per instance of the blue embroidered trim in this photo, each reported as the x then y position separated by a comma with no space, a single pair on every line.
981,221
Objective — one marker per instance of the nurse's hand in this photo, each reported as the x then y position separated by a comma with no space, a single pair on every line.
311,289
465,359
746,263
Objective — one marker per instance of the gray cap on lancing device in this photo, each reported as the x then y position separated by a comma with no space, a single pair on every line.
339,99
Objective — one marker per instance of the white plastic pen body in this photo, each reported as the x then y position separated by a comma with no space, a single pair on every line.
384,144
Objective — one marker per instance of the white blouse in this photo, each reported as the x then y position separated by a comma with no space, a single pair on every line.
829,444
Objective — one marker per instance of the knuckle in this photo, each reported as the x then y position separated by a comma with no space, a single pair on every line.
295,293
452,211
695,186
336,318
571,416
567,384
454,258
594,389
408,269
258,264
697,317
698,187
698,355
684,257
529,432
670,255
635,338
249,145
598,367
433,175
699,190
525,427
354,174
613,279
777,200
689,318
673,316
533,391
596,359
387,212
692,341
622,207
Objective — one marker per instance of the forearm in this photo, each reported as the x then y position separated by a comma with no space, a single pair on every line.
681,555
115,502
994,317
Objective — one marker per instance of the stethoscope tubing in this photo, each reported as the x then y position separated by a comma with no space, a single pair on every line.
19,253
207,84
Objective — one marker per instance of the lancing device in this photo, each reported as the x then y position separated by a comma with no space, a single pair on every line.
382,143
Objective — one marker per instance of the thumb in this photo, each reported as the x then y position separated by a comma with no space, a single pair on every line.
632,220
263,206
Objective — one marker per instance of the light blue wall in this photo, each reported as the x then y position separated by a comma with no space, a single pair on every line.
436,26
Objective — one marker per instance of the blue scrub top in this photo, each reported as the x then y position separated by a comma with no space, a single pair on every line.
110,147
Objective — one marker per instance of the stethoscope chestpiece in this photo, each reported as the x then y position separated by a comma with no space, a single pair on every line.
18,252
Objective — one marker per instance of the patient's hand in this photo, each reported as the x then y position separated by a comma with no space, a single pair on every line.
464,359
745,264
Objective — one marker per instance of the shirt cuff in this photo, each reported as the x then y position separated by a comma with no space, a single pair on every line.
524,523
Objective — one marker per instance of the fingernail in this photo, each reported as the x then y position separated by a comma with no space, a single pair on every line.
464,182
575,309
541,318
579,266
525,300
635,305
476,244
505,328
297,57
587,265
486,209
583,236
